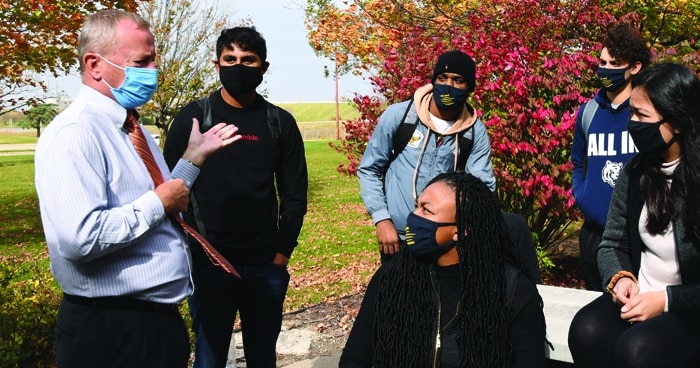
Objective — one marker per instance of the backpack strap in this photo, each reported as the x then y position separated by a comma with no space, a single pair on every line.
205,105
404,132
273,124
589,110
408,125
465,147
273,119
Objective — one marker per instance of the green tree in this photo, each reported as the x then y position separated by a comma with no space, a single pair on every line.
672,27
38,36
39,115
185,32
533,70
535,66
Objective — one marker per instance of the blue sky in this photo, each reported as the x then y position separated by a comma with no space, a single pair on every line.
295,73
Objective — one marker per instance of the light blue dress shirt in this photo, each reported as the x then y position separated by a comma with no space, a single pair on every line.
106,229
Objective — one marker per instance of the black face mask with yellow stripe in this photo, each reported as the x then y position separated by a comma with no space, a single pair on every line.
448,97
421,237
612,79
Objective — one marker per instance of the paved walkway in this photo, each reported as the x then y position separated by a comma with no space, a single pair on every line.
17,149
295,341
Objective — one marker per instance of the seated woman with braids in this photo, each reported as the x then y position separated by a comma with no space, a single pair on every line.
458,295
649,257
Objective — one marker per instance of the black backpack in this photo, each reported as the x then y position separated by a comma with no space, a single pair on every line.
405,132
273,120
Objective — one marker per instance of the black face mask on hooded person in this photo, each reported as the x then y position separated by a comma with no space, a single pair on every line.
449,98
240,79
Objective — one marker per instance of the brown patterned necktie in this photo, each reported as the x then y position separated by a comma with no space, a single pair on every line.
141,146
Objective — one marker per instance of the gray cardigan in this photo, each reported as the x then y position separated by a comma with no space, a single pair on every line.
621,247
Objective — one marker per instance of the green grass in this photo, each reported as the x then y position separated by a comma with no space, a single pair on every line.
337,250
336,218
27,136
337,233
320,111
20,224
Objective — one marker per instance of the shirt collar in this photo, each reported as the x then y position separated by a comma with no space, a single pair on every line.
113,112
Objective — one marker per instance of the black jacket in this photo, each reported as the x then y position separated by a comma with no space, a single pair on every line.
527,332
240,187
621,247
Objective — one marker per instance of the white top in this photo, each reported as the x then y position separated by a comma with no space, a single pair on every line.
659,265
105,227
441,125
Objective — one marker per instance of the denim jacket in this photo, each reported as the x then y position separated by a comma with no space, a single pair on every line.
427,154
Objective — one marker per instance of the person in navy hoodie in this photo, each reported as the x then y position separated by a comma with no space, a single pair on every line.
649,257
601,142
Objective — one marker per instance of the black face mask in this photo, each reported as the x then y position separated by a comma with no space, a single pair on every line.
612,79
239,79
420,237
449,98
647,137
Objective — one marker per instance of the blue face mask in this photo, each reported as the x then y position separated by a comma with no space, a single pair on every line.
449,98
420,236
139,85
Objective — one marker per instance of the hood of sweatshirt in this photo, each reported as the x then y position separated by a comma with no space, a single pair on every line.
422,98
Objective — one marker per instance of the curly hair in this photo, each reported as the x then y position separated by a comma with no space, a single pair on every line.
406,308
624,43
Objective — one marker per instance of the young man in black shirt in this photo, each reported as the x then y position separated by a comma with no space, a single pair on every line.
249,201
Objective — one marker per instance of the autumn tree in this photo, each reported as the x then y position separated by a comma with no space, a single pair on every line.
186,33
39,36
671,27
38,116
534,67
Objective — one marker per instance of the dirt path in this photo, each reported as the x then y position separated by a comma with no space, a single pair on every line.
17,149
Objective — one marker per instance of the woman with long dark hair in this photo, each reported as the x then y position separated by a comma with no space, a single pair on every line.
649,257
458,295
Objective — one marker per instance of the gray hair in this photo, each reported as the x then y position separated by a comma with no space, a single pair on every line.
99,31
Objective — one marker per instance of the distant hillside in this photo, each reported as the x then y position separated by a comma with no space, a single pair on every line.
316,120
306,112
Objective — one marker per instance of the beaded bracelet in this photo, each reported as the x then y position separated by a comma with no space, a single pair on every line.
617,277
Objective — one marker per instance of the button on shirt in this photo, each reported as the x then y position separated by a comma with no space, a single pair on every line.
106,229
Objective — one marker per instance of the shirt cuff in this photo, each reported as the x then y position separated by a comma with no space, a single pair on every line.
380,215
186,171
151,206
666,300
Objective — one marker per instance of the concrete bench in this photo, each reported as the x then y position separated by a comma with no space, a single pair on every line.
560,306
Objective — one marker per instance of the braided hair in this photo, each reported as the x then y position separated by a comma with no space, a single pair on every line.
406,308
